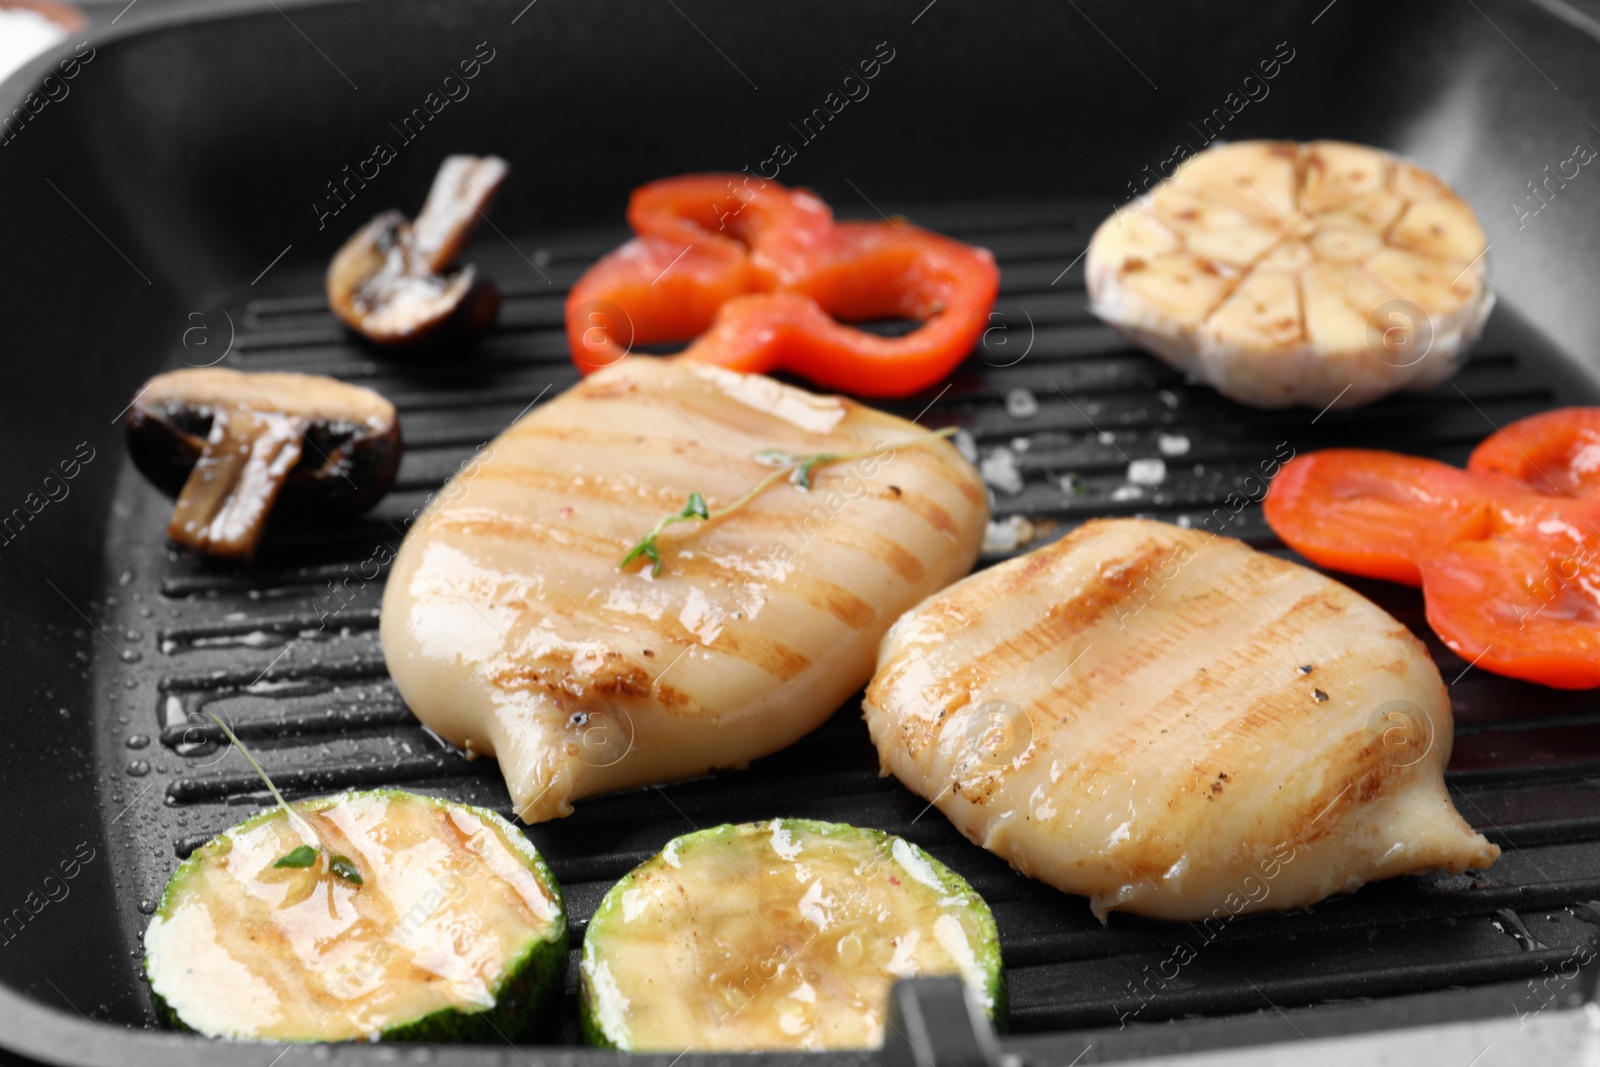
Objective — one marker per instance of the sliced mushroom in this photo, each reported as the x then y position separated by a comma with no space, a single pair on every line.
227,444
389,281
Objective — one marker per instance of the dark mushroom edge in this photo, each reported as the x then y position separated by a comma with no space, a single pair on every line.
231,447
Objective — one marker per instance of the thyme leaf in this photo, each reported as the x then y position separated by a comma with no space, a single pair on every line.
693,508
345,868
798,468
304,856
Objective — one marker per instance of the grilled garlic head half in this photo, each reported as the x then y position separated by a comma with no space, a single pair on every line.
1284,273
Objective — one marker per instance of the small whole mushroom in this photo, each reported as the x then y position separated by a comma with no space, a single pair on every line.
392,283
228,445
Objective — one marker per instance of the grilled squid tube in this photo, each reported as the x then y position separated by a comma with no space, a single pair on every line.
1173,724
513,629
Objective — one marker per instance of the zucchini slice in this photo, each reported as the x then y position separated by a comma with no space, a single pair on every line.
778,935
456,932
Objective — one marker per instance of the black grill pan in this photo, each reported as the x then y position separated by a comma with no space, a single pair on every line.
167,211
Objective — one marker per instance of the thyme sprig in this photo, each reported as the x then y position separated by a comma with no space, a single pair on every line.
304,855
694,508
797,467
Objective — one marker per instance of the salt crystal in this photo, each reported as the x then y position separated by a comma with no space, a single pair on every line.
999,469
1007,536
1147,472
1020,404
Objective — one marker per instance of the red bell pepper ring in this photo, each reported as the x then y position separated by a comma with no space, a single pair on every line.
761,277
1556,453
1507,551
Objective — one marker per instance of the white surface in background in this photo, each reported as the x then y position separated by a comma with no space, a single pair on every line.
1568,1038
23,35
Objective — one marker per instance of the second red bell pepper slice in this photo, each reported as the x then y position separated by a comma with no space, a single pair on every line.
1507,551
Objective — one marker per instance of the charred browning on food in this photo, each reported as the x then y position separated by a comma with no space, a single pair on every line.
614,680
392,281
926,510
622,681
979,789
672,698
231,447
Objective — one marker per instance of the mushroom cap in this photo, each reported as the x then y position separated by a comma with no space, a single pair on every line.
312,396
351,434
390,282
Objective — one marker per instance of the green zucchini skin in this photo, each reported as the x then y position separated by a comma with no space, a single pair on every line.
526,1007
987,949
528,997
589,1028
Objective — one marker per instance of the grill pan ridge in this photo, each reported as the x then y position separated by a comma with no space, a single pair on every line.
128,642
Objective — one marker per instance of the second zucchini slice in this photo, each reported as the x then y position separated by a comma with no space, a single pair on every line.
778,935
434,922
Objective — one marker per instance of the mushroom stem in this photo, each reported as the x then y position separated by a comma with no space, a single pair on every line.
223,506
457,205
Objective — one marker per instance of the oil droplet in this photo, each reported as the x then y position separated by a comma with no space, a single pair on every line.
138,768
138,740
147,907
849,950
